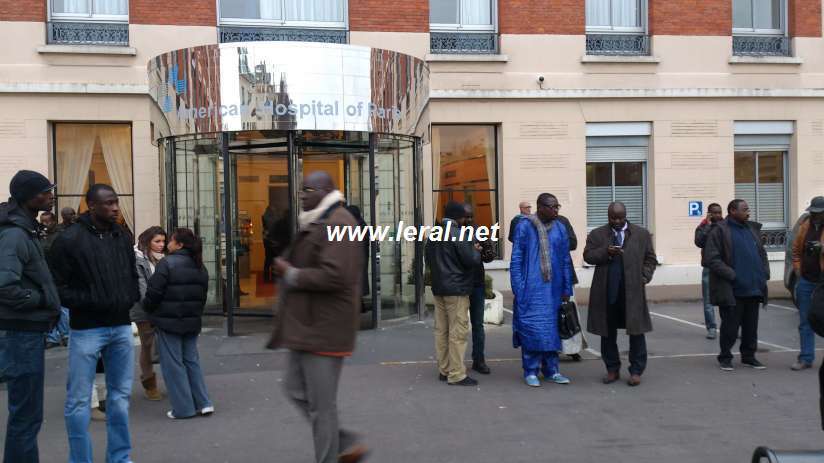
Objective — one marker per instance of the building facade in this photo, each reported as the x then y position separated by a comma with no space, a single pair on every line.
667,105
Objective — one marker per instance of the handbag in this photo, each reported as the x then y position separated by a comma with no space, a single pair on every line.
568,323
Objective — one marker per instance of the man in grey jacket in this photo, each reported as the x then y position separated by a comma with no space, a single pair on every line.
29,307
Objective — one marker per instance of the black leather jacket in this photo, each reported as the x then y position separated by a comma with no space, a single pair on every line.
452,263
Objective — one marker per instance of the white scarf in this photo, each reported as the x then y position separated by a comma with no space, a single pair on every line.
307,217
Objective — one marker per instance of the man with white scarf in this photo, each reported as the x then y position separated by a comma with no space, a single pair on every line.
318,315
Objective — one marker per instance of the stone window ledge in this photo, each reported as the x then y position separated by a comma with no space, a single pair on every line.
793,60
87,50
465,58
620,59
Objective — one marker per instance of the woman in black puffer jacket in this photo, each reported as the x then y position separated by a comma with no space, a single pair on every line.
175,297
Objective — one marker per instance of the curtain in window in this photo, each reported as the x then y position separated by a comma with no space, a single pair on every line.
110,7
74,144
314,10
116,143
70,6
598,13
270,9
443,11
625,13
767,14
476,12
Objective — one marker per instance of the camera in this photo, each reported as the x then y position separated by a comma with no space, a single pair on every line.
812,248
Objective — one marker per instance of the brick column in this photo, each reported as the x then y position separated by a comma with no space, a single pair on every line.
690,17
389,15
561,17
182,13
805,18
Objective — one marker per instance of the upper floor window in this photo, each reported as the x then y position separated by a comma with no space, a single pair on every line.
84,10
615,15
303,13
469,15
758,16
88,22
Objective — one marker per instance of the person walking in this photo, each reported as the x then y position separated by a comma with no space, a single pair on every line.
808,264
739,270
714,215
477,299
317,316
93,264
59,335
175,298
29,307
149,250
452,262
541,277
624,261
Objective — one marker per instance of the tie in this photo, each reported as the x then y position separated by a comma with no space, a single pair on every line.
616,239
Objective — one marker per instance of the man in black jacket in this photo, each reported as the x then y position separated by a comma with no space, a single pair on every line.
29,307
93,263
452,261
477,299
714,215
739,271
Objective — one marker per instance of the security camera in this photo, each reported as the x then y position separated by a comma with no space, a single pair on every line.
541,79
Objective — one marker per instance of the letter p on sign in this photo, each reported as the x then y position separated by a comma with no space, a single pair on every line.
696,209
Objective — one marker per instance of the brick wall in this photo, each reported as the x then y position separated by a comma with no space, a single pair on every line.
690,17
563,17
181,13
805,18
389,15
23,10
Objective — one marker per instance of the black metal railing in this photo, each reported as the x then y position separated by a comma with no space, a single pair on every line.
618,44
87,33
463,43
760,45
774,240
280,34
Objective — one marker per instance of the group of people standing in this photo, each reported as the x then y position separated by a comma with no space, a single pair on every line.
90,272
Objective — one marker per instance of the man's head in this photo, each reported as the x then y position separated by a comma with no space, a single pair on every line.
469,214
315,187
617,214
104,205
816,210
547,207
455,211
68,215
714,212
32,190
48,220
739,210
525,207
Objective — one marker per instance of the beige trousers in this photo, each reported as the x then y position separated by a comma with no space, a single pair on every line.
451,332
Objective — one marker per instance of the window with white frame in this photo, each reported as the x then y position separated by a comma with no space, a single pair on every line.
759,16
616,15
468,15
299,13
85,10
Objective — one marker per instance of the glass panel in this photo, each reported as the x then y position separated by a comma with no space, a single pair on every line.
626,13
599,192
110,7
255,9
476,12
767,14
70,7
465,156
745,179
314,10
359,204
598,13
771,189
443,11
629,189
742,14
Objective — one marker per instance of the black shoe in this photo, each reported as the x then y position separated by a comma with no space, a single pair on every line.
481,367
441,377
52,345
753,363
465,382
575,357
726,365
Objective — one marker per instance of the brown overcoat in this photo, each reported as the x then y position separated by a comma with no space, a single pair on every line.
639,265
320,310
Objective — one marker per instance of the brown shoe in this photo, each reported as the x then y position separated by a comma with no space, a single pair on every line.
150,389
634,380
354,454
611,377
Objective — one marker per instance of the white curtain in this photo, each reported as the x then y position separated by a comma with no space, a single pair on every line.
598,13
116,143
476,12
75,143
110,7
625,13
270,9
314,10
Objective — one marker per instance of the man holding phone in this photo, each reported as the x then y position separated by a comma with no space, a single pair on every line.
714,215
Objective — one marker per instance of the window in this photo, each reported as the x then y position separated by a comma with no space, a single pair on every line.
85,154
103,10
760,180
616,170
617,27
463,26
88,22
759,27
299,13
464,160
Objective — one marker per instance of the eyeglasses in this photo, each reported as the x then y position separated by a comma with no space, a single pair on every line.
308,189
557,207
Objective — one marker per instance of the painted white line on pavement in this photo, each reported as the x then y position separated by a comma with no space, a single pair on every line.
791,309
593,352
783,348
509,311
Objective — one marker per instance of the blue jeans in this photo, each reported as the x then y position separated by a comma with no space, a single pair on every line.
180,364
533,361
61,330
803,297
477,301
709,309
114,344
22,362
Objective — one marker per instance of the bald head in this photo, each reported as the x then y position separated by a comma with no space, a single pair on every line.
525,207
315,187
617,213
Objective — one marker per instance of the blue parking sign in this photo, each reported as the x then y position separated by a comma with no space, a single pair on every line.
696,209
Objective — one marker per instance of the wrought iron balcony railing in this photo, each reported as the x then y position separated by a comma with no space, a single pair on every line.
774,240
482,43
257,34
88,33
618,44
760,45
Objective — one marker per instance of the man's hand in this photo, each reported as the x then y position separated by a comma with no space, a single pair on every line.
281,266
565,298
614,251
478,247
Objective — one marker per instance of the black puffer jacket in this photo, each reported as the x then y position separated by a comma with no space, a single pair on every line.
176,294
28,296
717,256
95,274
452,262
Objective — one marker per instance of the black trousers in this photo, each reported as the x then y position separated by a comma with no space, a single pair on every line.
637,352
269,257
744,315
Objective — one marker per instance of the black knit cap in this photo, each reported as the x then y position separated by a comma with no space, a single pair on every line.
26,184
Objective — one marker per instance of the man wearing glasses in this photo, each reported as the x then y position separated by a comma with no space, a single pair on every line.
540,272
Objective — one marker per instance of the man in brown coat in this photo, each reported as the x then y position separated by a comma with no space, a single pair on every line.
624,262
318,315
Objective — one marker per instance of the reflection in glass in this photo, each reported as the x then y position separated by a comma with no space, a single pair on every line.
760,180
